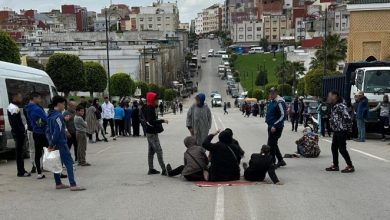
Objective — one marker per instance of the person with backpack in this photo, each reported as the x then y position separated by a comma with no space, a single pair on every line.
275,117
225,157
324,110
195,162
153,128
259,165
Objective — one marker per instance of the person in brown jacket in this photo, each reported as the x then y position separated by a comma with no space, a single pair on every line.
195,162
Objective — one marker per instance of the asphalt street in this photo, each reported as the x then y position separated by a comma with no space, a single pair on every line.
118,187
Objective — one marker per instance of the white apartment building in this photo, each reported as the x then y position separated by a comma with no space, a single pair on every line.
161,17
341,21
278,27
247,32
199,24
184,26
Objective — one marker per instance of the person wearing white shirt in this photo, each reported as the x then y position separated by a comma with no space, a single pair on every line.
108,115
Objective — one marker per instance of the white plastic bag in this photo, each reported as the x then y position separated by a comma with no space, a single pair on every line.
52,161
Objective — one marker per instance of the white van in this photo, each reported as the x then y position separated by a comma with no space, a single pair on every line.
225,57
25,80
254,50
220,53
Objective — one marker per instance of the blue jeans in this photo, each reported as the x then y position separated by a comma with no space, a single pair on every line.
361,125
67,160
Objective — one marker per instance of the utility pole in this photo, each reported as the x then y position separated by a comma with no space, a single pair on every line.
325,43
108,53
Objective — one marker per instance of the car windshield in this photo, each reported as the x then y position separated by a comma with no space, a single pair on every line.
217,99
377,81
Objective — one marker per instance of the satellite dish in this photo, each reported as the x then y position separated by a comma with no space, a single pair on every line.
371,59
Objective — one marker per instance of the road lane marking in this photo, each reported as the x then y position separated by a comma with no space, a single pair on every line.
370,155
219,213
364,153
105,149
220,121
215,122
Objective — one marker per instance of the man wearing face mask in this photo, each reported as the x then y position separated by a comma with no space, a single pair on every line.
199,119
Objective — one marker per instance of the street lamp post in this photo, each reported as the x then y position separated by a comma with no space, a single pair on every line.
108,54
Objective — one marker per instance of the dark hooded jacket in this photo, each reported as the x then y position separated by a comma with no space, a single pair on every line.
195,159
259,165
225,158
152,122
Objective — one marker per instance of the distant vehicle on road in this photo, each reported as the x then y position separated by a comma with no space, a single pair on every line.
225,58
213,93
234,92
210,53
216,101
203,58
254,50
211,36
25,80
220,53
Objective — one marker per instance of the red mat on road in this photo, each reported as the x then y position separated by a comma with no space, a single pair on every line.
227,183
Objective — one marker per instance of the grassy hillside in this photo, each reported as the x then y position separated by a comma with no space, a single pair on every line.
248,64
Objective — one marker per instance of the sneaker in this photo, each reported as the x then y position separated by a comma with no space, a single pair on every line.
245,166
105,140
41,176
348,169
332,168
281,163
77,188
25,174
62,176
33,170
169,169
62,186
153,171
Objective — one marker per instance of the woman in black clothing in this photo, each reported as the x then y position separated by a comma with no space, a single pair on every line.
98,114
225,157
135,119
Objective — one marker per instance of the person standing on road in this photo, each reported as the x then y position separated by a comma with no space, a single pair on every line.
361,116
324,109
225,108
135,119
294,109
92,122
259,165
153,128
384,115
199,119
108,114
301,109
161,108
18,132
275,120
118,119
341,124
262,109
30,140
81,135
181,107
58,141
38,120
127,120
69,115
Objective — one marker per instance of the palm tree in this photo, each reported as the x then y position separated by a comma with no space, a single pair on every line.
289,72
336,49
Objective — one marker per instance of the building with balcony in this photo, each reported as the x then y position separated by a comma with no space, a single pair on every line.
250,32
160,17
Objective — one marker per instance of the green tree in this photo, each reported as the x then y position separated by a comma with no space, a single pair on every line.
121,85
143,86
34,64
262,78
96,77
258,94
249,93
264,44
67,72
285,90
269,86
301,87
169,94
313,82
156,89
9,51
336,50
289,72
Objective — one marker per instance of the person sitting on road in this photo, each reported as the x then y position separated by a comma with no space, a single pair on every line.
195,162
259,165
225,157
235,142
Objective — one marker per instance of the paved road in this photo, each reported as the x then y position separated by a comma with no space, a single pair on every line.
118,187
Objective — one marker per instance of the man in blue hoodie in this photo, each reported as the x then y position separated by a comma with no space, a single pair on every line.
275,117
361,116
38,120
57,141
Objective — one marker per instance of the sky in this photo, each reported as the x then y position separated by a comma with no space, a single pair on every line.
187,8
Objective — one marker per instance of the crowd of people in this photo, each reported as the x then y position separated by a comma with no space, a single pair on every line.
68,124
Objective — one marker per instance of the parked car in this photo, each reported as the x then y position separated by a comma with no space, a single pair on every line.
210,53
254,50
203,58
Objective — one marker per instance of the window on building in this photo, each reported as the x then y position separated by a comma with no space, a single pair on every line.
274,37
299,23
142,26
158,18
158,26
141,19
167,18
150,26
258,28
150,19
249,28
274,29
240,29
343,25
240,36
249,36
258,36
337,25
